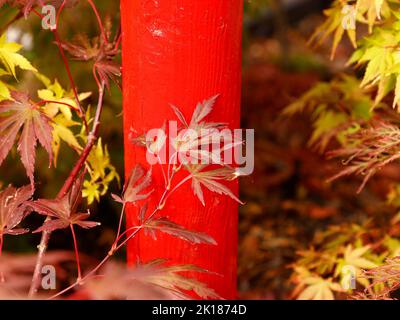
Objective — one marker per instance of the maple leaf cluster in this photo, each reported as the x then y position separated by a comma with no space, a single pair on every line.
63,210
190,147
101,51
134,192
153,280
16,204
138,187
372,149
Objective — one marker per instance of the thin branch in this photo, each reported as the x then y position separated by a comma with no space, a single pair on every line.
91,141
42,102
96,12
162,169
60,11
68,70
76,252
121,218
71,79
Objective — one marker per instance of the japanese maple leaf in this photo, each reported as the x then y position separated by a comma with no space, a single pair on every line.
22,114
137,182
169,227
101,51
63,210
209,179
197,147
202,110
13,208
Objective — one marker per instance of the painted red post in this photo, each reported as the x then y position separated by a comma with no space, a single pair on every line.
182,52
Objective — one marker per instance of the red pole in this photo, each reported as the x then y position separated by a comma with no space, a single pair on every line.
182,52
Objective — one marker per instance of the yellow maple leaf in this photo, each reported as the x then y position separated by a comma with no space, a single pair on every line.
10,58
314,287
356,259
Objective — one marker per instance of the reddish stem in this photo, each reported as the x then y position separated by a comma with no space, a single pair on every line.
71,79
118,42
59,11
85,153
42,102
76,252
96,12
68,70
121,218
124,233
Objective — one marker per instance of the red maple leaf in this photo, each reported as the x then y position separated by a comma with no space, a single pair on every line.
13,208
63,210
137,182
101,50
23,114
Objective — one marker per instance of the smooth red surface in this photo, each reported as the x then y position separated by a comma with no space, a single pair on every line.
182,52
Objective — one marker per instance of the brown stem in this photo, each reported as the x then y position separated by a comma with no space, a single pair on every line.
39,262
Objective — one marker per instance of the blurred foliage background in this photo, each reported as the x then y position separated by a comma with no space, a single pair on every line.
294,218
